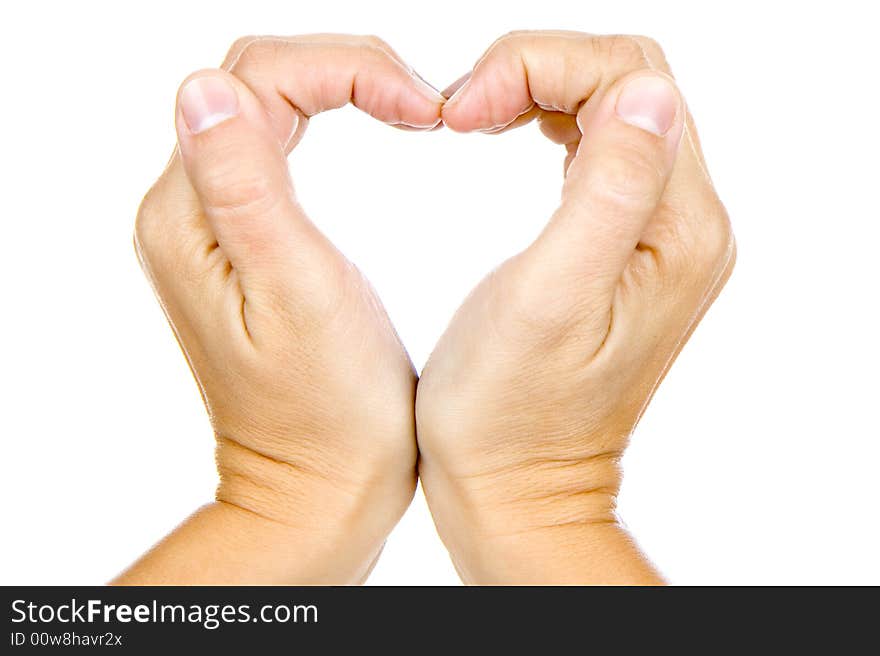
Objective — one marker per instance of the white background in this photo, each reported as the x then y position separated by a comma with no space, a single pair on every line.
758,459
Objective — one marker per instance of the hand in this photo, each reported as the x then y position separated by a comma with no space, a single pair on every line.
529,398
308,388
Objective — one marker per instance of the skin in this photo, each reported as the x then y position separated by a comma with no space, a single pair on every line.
528,401
286,339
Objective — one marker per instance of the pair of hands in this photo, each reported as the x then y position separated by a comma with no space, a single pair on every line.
519,419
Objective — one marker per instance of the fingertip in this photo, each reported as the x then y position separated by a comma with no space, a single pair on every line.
453,88
452,119
205,99
639,118
487,101
423,113
415,116
647,100
428,91
214,106
399,100
619,174
650,102
460,113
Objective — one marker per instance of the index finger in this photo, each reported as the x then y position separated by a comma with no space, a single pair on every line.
292,79
557,71
561,72
361,70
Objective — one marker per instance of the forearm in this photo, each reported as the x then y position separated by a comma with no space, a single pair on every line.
593,554
529,529
225,544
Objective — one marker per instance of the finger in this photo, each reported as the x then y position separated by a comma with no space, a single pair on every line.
655,56
560,128
176,244
523,119
616,181
699,225
557,71
449,91
238,169
241,44
561,72
362,70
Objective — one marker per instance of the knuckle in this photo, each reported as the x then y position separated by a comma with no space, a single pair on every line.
650,45
146,223
653,52
510,42
512,35
627,178
625,50
518,35
698,252
246,51
163,242
374,42
717,240
229,193
241,44
254,52
376,45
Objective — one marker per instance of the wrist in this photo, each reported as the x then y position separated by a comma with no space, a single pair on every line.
226,544
548,521
332,527
274,523
594,553
276,553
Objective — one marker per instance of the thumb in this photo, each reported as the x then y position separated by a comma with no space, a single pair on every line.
238,169
615,182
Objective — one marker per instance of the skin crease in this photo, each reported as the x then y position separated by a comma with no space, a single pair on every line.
529,398
527,403
286,339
